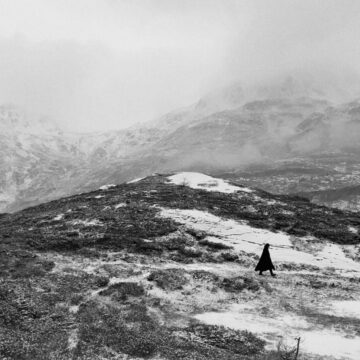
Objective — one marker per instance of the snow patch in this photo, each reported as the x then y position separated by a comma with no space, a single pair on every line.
135,180
106,187
289,326
58,217
99,196
243,237
345,308
287,212
353,229
93,222
205,182
120,205
74,309
73,339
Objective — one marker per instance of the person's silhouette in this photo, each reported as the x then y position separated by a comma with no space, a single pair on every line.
265,262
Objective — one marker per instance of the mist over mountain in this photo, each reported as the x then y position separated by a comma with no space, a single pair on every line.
236,127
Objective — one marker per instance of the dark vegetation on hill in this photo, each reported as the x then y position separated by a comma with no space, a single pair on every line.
136,218
330,179
35,321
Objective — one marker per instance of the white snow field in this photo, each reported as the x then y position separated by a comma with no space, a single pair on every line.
329,258
345,308
107,187
243,237
205,182
321,342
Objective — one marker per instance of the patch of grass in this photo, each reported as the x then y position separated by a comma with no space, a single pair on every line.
101,281
147,247
76,299
239,284
31,327
23,264
228,256
340,323
122,290
337,235
130,330
298,267
204,275
181,258
198,234
134,333
90,253
170,279
176,243
238,342
216,246
190,252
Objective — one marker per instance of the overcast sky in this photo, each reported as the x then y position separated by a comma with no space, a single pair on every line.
105,64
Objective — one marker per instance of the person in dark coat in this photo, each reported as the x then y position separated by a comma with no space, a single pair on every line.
265,262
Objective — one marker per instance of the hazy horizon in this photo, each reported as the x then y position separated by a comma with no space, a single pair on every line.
97,65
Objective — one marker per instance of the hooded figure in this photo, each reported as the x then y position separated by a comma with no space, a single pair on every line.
265,262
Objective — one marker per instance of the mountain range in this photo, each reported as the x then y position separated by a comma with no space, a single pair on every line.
232,130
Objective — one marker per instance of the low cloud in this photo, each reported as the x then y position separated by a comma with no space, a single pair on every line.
96,65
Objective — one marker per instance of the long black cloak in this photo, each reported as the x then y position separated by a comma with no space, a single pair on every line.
265,262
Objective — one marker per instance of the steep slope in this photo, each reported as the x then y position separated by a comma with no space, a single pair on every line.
152,268
255,133
35,156
40,162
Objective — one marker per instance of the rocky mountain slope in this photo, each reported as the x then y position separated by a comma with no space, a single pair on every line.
342,198
326,178
162,268
41,162
229,130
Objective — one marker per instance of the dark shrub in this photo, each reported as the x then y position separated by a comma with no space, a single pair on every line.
175,243
170,279
214,245
227,256
190,252
204,275
238,342
239,284
122,290
198,234
101,281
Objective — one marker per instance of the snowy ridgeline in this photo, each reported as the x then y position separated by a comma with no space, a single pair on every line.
205,182
196,180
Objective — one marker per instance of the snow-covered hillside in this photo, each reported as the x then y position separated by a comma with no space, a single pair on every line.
168,262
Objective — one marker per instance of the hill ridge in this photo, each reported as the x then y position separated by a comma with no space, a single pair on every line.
116,271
